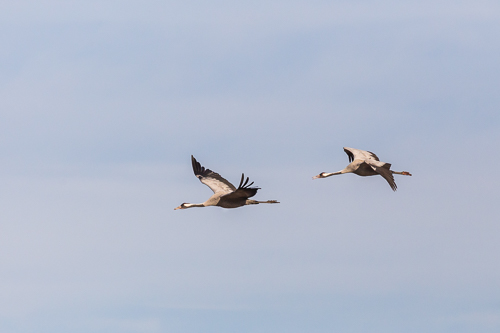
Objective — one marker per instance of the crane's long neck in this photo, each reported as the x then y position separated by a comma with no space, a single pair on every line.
191,205
328,174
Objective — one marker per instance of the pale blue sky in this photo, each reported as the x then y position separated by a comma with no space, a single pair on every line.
103,102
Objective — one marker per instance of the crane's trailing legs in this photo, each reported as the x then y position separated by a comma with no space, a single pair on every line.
404,173
255,202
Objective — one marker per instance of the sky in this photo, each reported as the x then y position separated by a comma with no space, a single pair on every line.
102,103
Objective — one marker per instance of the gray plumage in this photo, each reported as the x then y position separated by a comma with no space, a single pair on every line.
365,163
225,194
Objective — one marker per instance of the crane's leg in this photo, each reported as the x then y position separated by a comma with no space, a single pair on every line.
255,202
404,173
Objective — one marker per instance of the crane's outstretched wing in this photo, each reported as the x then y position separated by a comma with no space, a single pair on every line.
358,154
244,190
383,169
211,179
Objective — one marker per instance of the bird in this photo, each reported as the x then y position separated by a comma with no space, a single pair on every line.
366,163
225,194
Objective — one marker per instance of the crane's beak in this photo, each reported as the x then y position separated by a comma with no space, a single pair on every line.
180,207
316,177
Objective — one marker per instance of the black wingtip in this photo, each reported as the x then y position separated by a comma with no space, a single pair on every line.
244,183
349,154
197,168
241,181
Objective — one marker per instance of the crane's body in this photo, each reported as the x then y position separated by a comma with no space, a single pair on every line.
365,163
226,195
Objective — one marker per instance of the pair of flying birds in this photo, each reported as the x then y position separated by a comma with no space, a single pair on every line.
362,163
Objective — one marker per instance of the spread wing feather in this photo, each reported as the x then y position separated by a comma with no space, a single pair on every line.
212,179
244,190
382,169
358,154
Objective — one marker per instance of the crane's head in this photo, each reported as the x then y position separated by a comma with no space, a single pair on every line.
328,174
182,206
321,175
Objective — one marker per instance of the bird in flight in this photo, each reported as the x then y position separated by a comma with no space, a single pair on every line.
366,163
225,194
